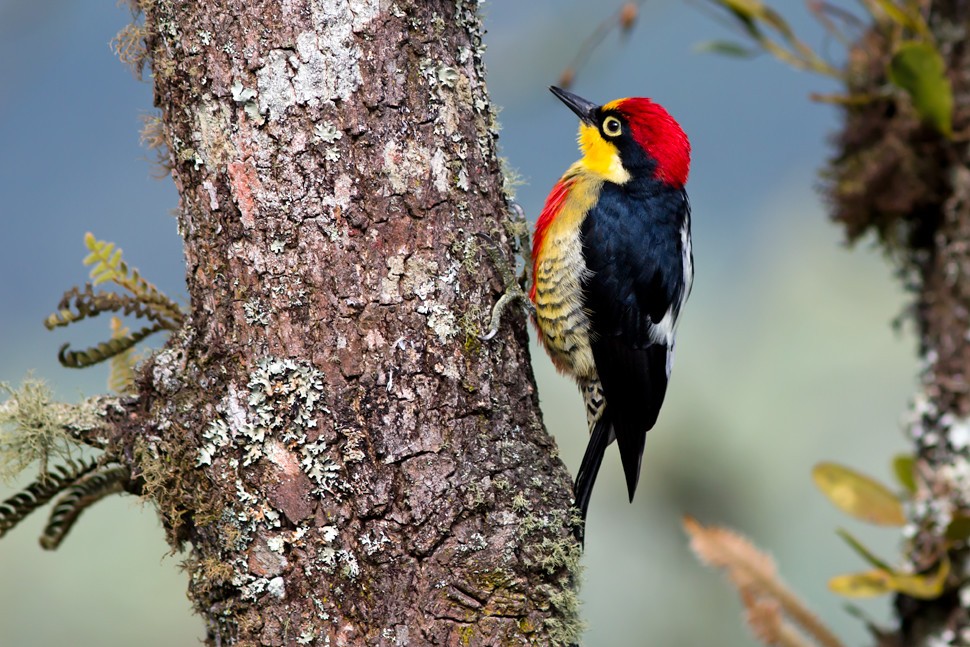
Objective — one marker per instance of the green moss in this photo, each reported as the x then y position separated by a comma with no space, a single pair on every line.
469,325
493,580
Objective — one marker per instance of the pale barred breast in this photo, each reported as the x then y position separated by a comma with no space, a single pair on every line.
563,323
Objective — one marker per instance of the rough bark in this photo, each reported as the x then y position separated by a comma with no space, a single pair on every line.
347,464
910,185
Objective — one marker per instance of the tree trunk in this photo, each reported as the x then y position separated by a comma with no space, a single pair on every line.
348,463
911,185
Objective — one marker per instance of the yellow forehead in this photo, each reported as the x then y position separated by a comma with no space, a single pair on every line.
600,156
613,105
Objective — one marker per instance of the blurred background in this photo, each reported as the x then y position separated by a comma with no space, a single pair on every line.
785,356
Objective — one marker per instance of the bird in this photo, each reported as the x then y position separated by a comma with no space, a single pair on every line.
612,267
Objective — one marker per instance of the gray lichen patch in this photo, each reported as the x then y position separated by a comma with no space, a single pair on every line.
327,73
214,146
275,85
284,401
168,370
419,277
326,64
246,97
406,166
441,320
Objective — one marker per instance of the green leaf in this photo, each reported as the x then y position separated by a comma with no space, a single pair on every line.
725,48
911,19
918,68
858,495
862,551
904,466
773,18
748,12
958,529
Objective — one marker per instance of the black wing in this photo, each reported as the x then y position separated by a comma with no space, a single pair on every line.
633,251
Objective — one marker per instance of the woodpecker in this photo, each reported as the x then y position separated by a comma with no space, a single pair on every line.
612,267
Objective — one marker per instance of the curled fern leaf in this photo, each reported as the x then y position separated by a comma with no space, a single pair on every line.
166,309
78,304
104,350
16,508
143,300
84,493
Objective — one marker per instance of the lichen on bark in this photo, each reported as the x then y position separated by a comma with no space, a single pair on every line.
344,462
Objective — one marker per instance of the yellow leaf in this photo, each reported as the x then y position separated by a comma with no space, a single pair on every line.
879,582
748,8
908,20
858,495
925,587
861,585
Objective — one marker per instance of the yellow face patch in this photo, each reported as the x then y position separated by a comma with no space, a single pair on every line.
601,157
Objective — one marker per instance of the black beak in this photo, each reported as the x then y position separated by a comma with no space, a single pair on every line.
586,110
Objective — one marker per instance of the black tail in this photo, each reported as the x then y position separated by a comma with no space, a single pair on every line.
590,467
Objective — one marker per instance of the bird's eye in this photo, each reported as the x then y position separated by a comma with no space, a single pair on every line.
612,126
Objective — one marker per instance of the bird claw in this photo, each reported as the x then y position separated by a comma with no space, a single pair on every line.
514,291
512,294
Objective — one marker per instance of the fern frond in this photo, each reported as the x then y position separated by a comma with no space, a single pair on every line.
104,350
109,266
78,304
121,375
84,493
16,508
160,303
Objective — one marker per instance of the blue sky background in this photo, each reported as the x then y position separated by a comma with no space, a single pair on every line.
785,354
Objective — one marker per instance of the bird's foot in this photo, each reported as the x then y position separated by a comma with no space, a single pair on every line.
514,290
512,294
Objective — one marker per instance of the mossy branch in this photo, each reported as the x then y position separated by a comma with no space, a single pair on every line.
35,429
915,67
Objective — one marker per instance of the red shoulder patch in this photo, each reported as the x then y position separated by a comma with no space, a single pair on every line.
554,203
